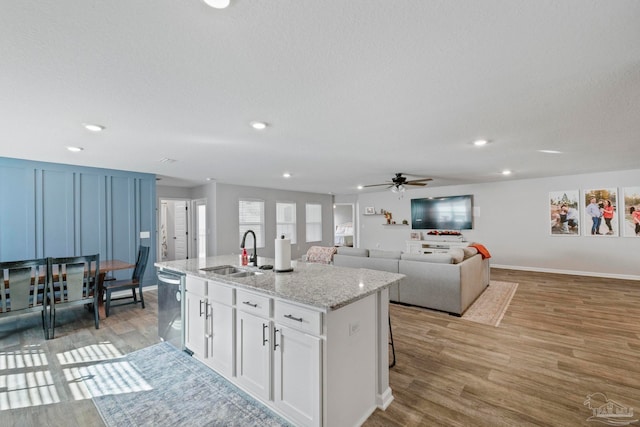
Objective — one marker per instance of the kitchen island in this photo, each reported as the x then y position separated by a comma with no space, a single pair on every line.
311,344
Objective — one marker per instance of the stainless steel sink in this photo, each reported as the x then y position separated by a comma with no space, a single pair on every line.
223,269
231,271
246,274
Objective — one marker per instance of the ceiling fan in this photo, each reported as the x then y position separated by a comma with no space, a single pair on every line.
398,183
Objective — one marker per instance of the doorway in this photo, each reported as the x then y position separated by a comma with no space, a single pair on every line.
343,224
174,230
179,220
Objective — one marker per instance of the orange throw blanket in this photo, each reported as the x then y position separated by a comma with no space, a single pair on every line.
481,250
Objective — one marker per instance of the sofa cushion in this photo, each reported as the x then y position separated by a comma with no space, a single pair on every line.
457,255
343,250
377,253
440,258
469,251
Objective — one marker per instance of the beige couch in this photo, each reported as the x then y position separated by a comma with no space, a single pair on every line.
448,281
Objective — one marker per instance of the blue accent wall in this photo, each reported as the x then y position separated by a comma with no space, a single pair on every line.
49,209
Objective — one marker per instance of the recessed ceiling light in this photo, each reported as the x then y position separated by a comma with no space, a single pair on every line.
93,127
286,175
258,125
167,160
480,142
506,172
360,187
75,149
210,179
550,151
218,4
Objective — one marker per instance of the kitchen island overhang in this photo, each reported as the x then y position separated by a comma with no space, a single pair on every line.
353,338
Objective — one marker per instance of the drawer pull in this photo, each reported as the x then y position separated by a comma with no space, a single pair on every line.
249,303
264,338
297,319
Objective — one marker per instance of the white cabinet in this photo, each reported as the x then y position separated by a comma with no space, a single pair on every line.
210,318
253,353
297,375
277,357
195,305
314,368
220,329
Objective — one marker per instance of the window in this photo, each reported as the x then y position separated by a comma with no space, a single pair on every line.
314,222
286,221
251,217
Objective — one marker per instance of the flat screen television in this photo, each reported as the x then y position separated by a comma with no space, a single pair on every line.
442,213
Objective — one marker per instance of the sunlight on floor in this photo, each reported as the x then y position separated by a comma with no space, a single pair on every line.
104,379
30,357
23,385
22,389
90,353
27,389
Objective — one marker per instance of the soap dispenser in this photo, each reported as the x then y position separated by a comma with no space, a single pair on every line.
245,257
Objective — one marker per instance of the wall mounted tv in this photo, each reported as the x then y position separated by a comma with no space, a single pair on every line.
442,213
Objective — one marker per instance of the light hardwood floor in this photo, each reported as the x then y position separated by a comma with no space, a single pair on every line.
562,338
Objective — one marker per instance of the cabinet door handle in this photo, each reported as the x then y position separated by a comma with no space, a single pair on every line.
297,319
275,340
249,303
264,335
201,313
207,307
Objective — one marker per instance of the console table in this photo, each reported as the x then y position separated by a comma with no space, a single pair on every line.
433,246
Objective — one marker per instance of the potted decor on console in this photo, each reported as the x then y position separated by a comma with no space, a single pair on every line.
445,235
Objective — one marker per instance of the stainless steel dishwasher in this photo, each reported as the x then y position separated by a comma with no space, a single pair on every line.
171,286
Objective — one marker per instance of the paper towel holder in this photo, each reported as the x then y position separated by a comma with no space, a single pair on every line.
286,270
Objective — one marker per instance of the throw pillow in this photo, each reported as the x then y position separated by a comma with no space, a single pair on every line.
469,251
457,255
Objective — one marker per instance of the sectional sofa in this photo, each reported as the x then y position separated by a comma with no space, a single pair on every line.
448,281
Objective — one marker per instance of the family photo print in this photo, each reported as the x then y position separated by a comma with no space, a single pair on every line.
564,207
601,212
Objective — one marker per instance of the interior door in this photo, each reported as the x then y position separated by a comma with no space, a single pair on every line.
181,224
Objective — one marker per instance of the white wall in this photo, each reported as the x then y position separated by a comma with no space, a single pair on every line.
226,222
514,224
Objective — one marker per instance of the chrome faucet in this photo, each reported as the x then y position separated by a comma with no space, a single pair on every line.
254,256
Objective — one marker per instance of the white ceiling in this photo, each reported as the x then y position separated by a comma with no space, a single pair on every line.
353,90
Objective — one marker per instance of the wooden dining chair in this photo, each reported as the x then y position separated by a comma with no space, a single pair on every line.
134,283
73,281
23,287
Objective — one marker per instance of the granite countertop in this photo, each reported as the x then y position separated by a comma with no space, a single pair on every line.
325,287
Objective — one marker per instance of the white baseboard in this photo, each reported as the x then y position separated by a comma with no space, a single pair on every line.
569,272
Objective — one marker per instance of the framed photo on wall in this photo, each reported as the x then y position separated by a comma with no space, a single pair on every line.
369,210
630,213
600,212
564,210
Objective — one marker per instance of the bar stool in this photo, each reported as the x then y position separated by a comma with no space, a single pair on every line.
393,347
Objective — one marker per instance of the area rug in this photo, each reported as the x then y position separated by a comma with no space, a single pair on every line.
491,305
162,386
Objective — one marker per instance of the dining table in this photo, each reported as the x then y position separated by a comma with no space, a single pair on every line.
107,266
